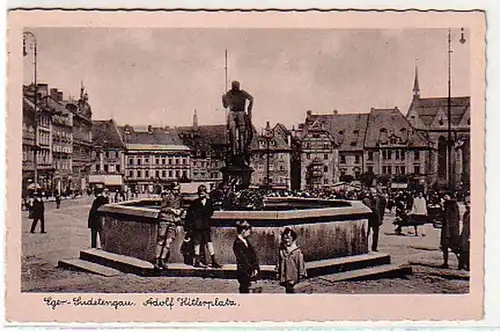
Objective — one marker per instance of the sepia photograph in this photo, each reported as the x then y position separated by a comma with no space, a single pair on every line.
233,160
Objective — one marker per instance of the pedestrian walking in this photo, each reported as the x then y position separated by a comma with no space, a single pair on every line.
374,221
247,264
95,217
198,223
38,213
291,264
463,263
169,224
450,229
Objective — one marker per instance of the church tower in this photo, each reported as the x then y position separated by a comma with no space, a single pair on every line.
195,120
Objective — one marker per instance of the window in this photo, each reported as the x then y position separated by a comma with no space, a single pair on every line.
342,159
163,173
146,161
397,154
370,155
117,168
97,167
325,169
177,174
130,161
157,174
356,159
106,154
106,168
170,174
384,169
308,156
403,154
325,156
389,154
163,161
402,170
170,161
370,169
177,161
325,181
416,155
139,161
260,167
416,169
157,161
326,146
139,173
146,174
130,174
111,154
185,174
282,168
389,169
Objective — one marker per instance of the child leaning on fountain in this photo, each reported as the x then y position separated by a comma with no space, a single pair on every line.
291,264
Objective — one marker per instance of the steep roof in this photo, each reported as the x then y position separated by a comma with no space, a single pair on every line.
386,123
347,130
106,133
428,108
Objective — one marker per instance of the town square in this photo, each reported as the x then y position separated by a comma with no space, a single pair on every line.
250,161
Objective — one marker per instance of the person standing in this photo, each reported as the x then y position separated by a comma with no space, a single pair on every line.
198,223
169,224
463,263
374,221
418,212
247,264
38,213
450,228
291,264
58,200
95,217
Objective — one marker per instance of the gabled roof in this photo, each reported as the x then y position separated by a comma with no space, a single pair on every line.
157,137
428,108
386,123
347,130
106,134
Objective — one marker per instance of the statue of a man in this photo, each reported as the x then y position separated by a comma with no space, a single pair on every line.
235,99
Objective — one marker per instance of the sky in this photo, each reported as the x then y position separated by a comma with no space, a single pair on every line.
145,76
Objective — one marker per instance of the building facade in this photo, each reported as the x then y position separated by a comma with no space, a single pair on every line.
271,157
207,145
393,148
108,155
82,140
154,156
430,117
319,154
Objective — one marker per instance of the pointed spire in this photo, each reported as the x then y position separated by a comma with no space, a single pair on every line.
82,89
416,87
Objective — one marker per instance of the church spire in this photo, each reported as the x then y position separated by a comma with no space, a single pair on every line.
416,87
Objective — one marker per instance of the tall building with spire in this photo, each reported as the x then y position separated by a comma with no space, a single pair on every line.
429,116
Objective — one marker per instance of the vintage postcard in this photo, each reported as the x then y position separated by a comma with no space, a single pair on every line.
174,166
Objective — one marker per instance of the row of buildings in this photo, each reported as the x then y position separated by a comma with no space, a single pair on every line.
75,152
58,133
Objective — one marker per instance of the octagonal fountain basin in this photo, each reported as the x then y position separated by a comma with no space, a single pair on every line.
326,229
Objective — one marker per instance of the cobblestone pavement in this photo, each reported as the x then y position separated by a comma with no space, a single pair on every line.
67,234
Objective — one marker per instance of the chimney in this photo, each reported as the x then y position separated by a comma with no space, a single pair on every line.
309,113
335,112
126,129
150,129
53,93
59,96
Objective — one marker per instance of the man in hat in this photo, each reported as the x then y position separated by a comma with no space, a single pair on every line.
95,217
168,224
198,222
38,213
239,118
372,200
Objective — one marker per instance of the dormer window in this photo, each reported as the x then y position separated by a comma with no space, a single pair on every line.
441,122
383,130
341,132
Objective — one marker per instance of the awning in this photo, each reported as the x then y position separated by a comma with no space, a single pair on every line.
398,185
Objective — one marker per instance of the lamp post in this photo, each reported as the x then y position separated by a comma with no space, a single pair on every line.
451,183
35,115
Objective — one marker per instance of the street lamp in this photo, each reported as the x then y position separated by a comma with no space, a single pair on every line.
451,183
27,34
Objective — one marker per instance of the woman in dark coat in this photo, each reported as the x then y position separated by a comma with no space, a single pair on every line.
247,263
450,230
465,238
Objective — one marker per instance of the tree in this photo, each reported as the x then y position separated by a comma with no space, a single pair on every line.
367,178
346,178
